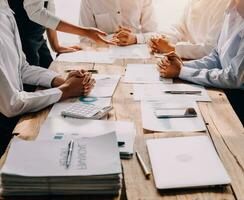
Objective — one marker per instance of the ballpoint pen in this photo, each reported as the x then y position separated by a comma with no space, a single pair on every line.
143,166
69,154
182,92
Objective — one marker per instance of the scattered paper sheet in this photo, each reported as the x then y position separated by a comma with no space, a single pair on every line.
107,55
156,91
151,122
85,56
144,73
105,85
136,51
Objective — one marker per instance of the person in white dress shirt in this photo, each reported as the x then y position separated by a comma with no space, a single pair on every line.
132,21
196,34
223,67
33,18
15,71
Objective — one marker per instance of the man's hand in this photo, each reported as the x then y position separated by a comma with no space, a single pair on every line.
77,74
124,36
88,82
160,44
75,87
170,66
57,81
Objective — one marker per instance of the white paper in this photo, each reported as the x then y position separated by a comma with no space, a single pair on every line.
105,85
66,128
88,56
156,91
61,106
144,73
47,157
151,122
136,51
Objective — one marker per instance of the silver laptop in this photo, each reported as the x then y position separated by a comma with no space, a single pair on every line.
186,162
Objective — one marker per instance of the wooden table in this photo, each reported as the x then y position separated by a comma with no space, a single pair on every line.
223,127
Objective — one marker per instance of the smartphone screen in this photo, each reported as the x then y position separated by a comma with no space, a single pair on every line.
175,113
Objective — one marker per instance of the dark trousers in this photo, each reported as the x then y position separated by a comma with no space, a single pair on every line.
236,99
37,53
7,126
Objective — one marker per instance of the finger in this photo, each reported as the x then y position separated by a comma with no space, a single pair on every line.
165,61
102,33
122,34
86,79
172,55
89,83
126,29
122,43
76,47
105,41
76,74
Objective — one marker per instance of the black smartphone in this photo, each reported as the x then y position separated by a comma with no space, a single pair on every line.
175,113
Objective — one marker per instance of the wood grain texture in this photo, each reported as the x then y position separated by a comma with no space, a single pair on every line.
223,126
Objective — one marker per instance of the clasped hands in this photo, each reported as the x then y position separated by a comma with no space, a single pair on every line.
124,36
170,65
78,83
160,44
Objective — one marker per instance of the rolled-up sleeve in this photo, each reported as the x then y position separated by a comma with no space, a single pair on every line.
208,71
41,15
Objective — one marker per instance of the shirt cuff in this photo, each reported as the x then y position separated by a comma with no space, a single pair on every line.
55,95
186,72
140,39
47,81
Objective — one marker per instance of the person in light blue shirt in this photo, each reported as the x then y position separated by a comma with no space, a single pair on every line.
224,67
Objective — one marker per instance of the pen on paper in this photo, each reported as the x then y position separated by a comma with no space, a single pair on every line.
143,165
69,153
182,92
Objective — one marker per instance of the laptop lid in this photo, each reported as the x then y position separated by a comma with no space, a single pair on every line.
185,162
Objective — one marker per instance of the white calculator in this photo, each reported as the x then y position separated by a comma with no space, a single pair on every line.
86,111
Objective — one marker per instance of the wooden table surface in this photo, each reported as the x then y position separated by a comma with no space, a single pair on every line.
223,127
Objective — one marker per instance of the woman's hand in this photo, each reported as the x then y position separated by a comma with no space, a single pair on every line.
98,36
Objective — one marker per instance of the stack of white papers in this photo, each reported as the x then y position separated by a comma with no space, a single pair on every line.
105,85
87,56
144,73
68,128
162,92
151,122
136,51
39,167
